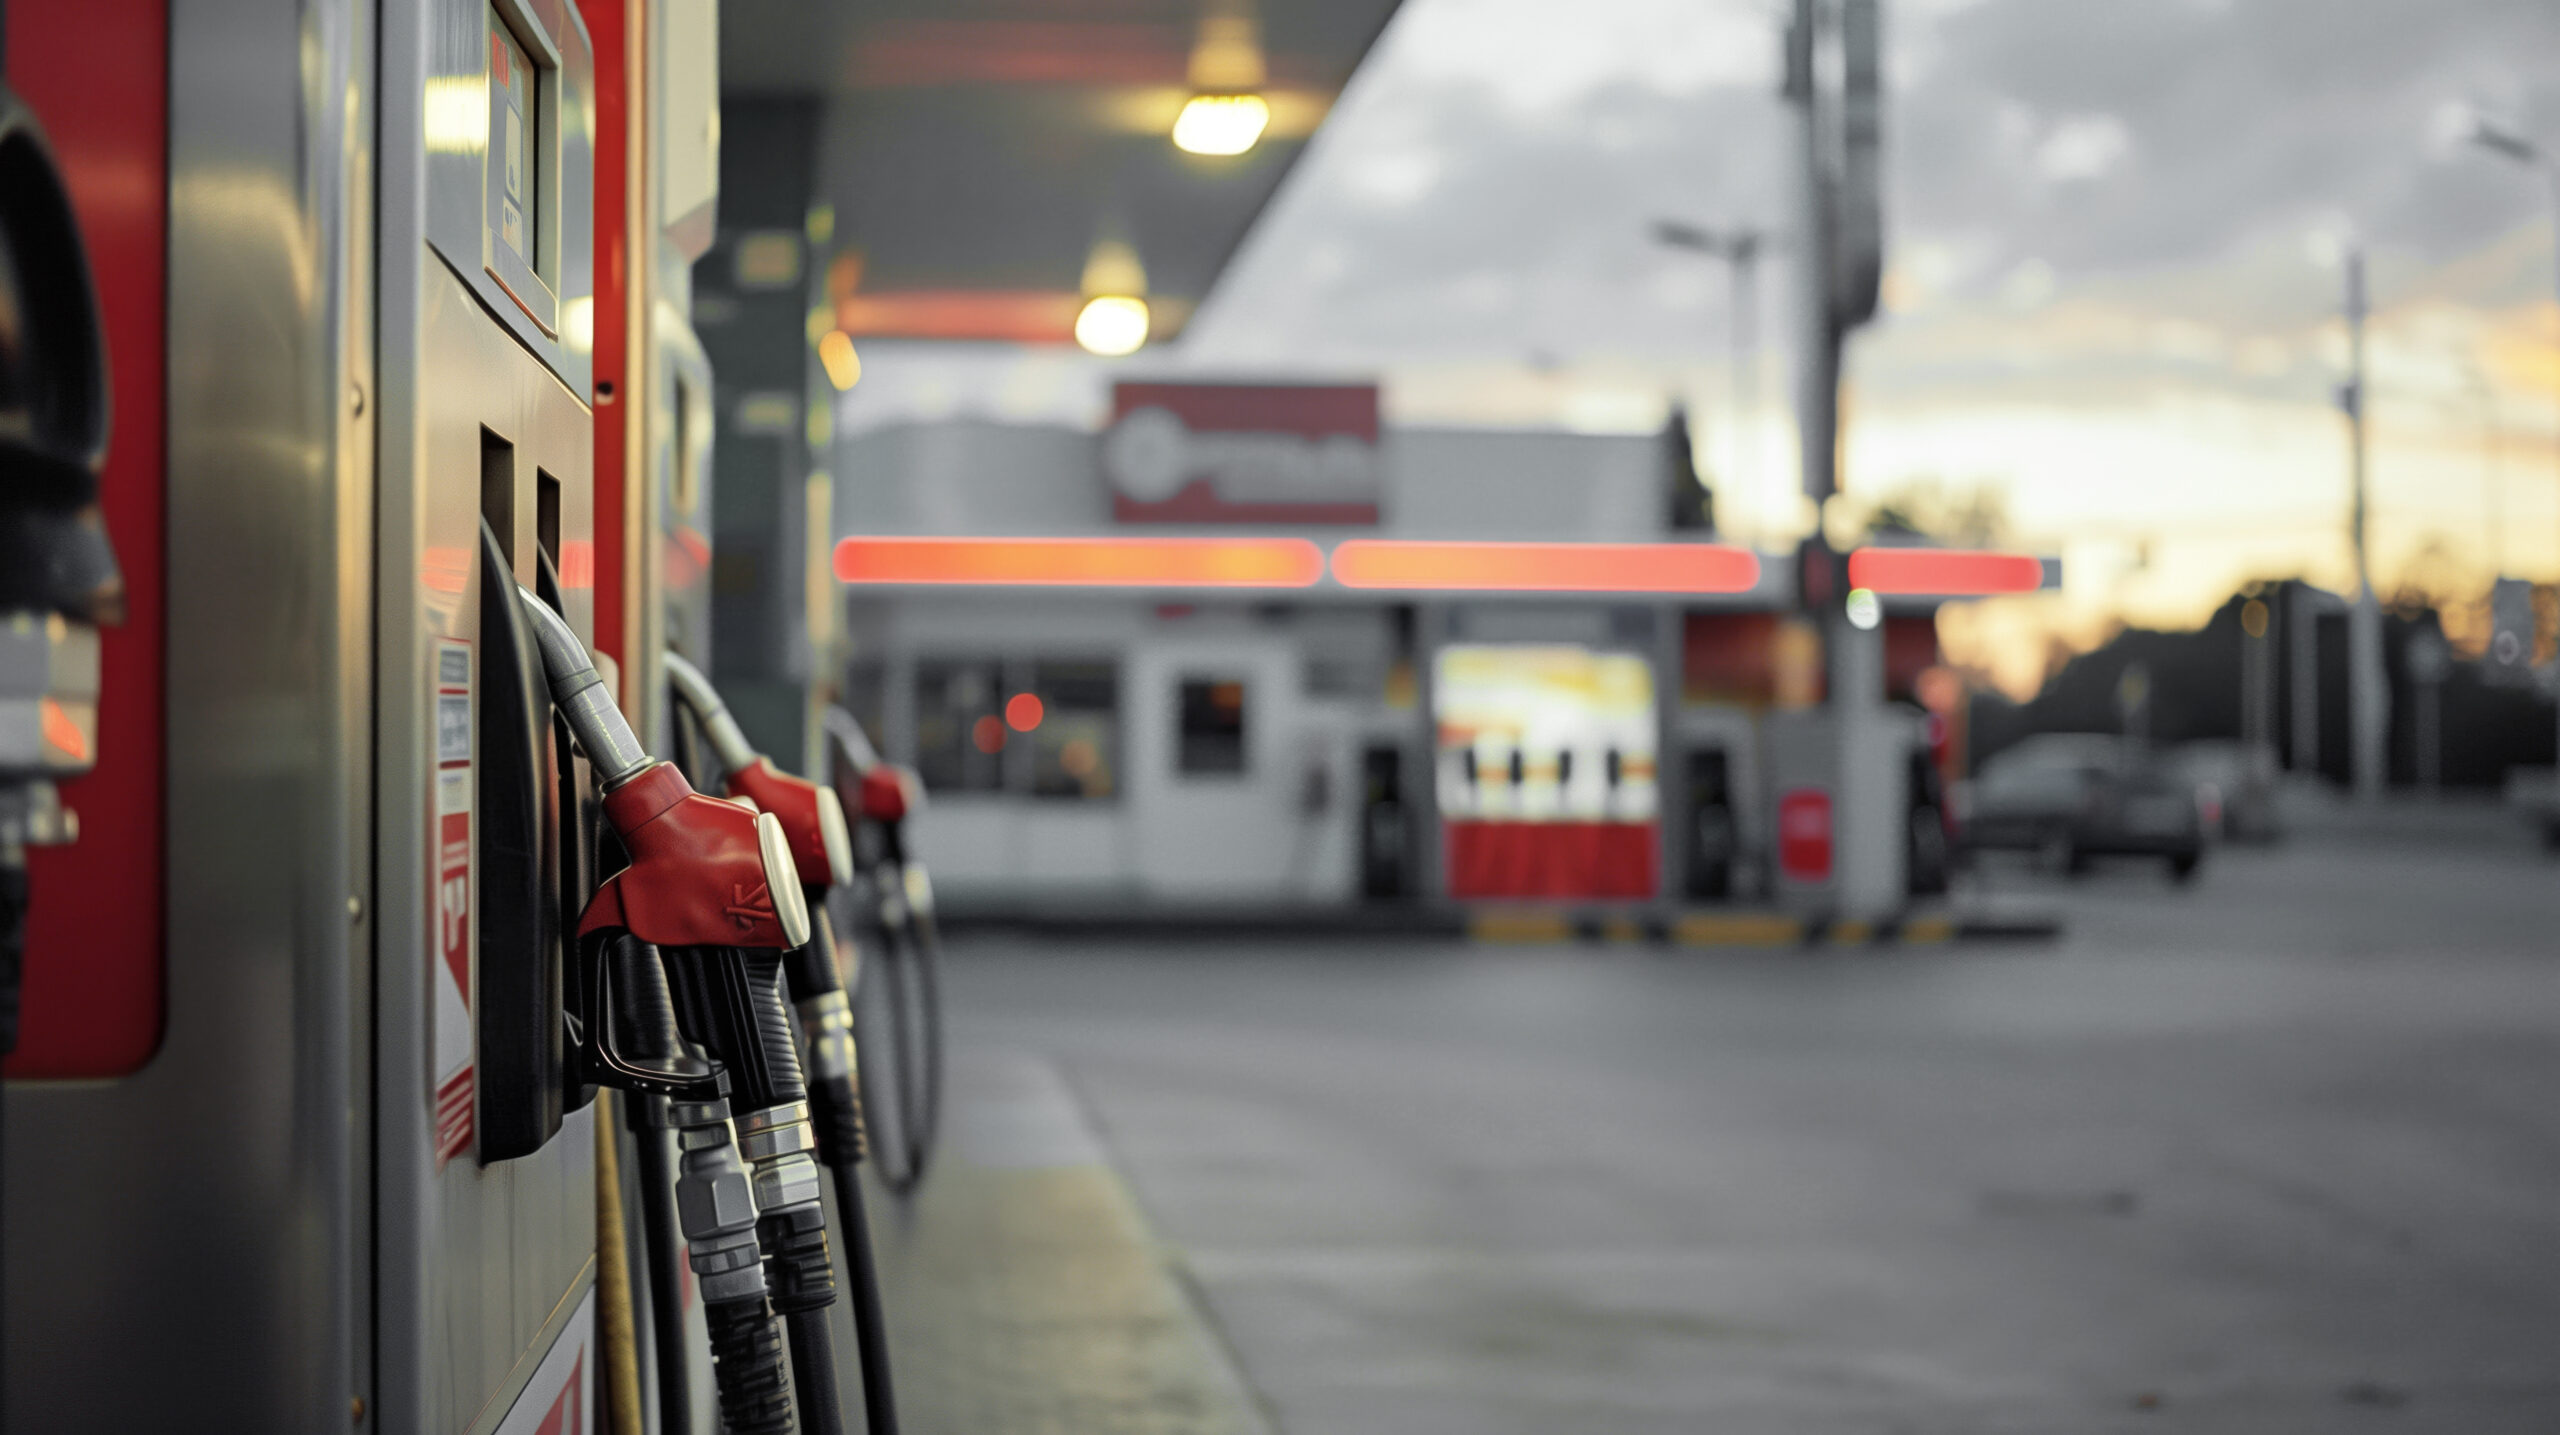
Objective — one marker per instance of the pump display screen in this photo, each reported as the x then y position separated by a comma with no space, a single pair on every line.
514,139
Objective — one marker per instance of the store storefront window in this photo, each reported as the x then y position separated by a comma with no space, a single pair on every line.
960,731
1075,749
1212,742
1047,729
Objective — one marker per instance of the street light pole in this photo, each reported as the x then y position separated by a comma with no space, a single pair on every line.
1739,247
2490,135
2368,700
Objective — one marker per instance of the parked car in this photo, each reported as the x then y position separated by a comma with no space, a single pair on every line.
2071,797
2235,789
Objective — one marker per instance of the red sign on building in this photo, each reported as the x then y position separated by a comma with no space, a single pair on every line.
1243,453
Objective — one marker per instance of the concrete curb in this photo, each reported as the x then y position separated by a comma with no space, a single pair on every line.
1510,925
1544,926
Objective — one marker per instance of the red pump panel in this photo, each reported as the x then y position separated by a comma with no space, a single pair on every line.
97,75
1804,835
608,23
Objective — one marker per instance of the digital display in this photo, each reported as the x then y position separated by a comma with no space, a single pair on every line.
514,133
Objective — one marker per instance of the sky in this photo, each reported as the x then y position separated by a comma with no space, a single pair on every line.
2111,295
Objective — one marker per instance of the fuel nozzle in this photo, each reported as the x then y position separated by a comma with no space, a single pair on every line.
712,887
828,1095
812,816
821,848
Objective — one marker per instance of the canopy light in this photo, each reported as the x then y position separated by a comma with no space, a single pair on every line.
1081,562
1221,124
1944,572
1546,567
1112,325
836,355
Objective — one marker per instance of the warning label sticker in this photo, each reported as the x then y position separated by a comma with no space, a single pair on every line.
450,934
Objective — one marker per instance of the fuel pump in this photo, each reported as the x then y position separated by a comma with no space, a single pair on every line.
821,844
714,888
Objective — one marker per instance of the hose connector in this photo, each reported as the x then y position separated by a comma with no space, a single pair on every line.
728,741
580,694
715,1203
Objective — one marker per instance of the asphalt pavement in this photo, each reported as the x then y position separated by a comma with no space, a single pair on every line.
2275,1151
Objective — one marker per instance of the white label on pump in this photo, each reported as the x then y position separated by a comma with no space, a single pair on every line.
560,1399
449,901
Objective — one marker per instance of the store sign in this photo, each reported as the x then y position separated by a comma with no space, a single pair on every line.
1243,453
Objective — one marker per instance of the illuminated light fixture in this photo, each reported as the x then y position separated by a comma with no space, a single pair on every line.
1944,572
1221,124
1112,325
1224,116
1081,562
1113,321
1864,608
1023,711
836,356
1546,567
457,114
578,324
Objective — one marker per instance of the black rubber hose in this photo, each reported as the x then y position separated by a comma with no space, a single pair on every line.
746,1354
924,1105
905,991
731,1000
647,1017
870,1326
780,1076
835,1109
665,1241
813,1372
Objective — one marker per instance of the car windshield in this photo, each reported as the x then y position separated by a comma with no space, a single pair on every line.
2034,781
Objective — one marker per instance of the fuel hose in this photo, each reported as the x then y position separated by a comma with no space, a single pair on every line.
712,1220
826,1021
651,1033
684,849
729,1000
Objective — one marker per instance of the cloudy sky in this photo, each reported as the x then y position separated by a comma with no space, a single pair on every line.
2103,300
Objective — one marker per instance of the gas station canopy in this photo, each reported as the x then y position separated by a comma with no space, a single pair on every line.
993,164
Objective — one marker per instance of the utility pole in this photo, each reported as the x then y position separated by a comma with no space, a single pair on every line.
1839,266
2368,693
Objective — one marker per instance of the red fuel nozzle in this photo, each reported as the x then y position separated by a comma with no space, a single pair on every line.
884,793
703,873
813,825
